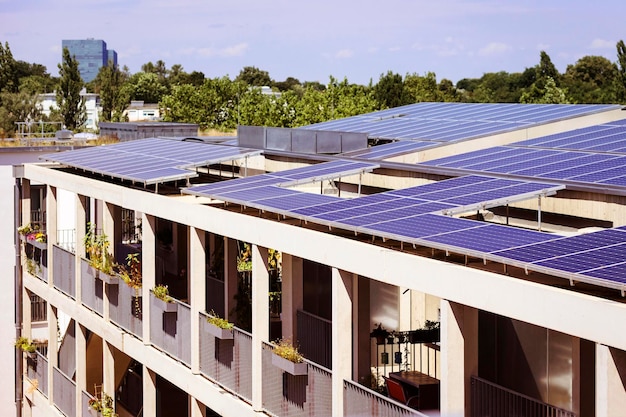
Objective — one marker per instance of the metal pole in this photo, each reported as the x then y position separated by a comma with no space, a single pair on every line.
17,194
539,213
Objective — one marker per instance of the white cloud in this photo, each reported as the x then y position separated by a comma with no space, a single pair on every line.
344,54
395,49
494,48
602,44
232,50
542,47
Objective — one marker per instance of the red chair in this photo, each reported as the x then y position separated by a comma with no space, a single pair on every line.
396,391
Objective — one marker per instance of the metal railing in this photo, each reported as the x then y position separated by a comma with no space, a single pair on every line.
38,220
64,395
125,308
360,401
84,404
63,271
285,394
92,289
66,239
38,308
171,331
489,399
314,338
37,370
228,362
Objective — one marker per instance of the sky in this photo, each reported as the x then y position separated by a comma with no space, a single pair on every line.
313,40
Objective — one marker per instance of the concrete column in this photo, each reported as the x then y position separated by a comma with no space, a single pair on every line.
149,392
81,218
81,363
260,320
148,256
112,225
197,408
51,226
291,296
108,369
26,203
459,357
27,327
341,335
197,293
230,276
53,348
610,381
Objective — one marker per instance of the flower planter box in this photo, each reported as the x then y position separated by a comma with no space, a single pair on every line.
288,366
218,332
425,336
166,307
106,278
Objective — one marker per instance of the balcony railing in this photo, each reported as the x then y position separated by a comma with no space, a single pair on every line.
360,401
285,394
64,396
489,399
314,338
63,275
37,370
125,308
92,289
38,308
66,239
228,362
171,331
84,404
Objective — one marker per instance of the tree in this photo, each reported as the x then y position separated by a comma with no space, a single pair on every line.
254,77
591,80
418,89
145,86
546,69
9,81
621,72
17,107
388,91
71,105
113,98
549,94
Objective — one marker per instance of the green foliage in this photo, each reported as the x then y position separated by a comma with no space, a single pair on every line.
103,405
113,98
217,321
591,80
17,107
9,82
131,272
25,344
255,77
620,81
285,349
162,293
71,104
97,249
144,86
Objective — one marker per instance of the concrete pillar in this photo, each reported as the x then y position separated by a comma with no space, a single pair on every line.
341,335
230,276
149,392
51,226
81,230
197,292
27,327
260,320
610,381
148,256
112,225
53,348
197,408
291,296
108,369
26,203
459,357
81,363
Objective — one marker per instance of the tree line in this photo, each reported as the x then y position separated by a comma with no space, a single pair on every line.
222,103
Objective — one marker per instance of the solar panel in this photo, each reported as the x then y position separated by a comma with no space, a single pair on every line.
390,150
148,161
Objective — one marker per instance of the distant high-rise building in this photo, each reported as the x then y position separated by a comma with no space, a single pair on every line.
92,54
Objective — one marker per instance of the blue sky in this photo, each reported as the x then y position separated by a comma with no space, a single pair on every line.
311,40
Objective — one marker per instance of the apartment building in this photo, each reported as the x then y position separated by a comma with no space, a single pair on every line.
435,259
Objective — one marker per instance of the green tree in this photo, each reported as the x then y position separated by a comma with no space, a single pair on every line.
389,90
113,98
69,101
145,86
546,70
549,94
254,77
17,107
591,80
9,81
620,87
418,89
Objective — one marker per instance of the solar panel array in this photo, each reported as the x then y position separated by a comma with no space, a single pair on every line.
592,155
149,161
451,122
390,150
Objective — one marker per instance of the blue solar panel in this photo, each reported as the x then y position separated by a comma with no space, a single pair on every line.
390,150
260,193
490,238
423,225
292,202
365,209
614,273
421,191
583,261
399,213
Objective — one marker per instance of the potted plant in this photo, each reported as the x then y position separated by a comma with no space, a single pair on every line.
101,262
380,334
430,333
26,345
219,327
287,357
162,297
131,275
33,236
102,406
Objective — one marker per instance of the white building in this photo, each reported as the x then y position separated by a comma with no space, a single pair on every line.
488,235
48,102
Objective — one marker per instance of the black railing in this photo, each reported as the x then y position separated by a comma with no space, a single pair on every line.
489,399
314,338
38,308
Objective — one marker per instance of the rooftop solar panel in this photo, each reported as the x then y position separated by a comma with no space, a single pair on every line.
148,161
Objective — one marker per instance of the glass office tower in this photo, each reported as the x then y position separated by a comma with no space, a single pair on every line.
92,54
